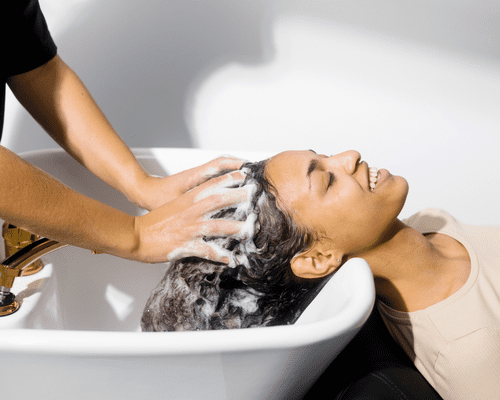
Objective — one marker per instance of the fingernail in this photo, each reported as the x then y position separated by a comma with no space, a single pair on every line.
239,175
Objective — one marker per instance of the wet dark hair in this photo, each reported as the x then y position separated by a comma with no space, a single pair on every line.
197,294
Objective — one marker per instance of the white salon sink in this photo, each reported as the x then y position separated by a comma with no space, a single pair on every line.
77,333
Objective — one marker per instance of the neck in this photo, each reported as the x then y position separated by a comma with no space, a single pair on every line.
410,273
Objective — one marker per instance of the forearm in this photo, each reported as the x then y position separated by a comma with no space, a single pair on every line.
59,101
35,201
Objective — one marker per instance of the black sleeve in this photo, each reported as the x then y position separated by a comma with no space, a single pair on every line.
26,38
25,41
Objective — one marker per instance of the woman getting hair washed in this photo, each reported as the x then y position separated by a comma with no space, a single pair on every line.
437,279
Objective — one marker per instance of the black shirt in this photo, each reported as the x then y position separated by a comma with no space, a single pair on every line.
25,42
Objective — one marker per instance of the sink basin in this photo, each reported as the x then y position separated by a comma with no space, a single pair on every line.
77,333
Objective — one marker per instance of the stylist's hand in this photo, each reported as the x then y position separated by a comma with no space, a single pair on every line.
154,191
176,229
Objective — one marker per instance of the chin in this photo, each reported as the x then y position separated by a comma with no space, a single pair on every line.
403,189
397,195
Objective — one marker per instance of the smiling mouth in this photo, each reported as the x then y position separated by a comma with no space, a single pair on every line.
373,176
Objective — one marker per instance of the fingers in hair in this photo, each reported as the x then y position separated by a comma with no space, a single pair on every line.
222,228
224,198
230,180
200,248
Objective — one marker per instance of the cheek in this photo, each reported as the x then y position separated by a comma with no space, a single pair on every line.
362,222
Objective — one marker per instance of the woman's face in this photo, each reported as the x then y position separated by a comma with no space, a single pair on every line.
332,196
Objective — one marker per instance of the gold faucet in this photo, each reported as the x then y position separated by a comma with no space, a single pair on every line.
15,266
23,251
14,240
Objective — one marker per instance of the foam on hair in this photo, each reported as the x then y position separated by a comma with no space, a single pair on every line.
256,288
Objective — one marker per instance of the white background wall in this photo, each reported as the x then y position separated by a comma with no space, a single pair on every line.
414,86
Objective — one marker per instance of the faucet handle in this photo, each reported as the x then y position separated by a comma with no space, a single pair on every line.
15,239
8,304
15,265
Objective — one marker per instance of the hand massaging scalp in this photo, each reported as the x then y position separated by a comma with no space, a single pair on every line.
198,289
243,213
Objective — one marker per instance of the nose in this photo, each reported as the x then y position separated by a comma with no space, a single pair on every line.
347,160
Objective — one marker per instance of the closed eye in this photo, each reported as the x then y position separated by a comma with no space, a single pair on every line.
330,180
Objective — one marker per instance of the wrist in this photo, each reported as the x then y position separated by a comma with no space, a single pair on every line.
140,246
134,187
153,192
117,238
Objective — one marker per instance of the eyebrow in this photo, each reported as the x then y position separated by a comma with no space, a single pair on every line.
312,166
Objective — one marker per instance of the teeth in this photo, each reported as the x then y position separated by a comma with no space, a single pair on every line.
373,176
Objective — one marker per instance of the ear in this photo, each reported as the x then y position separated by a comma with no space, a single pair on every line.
317,262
